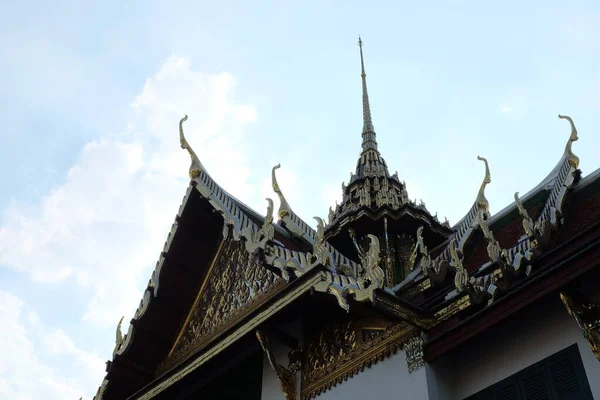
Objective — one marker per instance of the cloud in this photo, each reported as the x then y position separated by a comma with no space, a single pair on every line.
513,105
104,227
24,342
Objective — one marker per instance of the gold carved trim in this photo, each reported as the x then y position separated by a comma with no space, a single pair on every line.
198,295
233,336
404,313
414,353
357,355
453,308
238,285
419,288
587,317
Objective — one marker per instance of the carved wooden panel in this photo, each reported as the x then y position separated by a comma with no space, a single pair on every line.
343,349
236,285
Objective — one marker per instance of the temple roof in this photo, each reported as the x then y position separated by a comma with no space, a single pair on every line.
484,259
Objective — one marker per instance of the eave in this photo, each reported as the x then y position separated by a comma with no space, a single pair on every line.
402,310
386,211
581,254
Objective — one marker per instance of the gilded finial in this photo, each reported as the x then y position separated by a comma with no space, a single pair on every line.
482,202
196,165
573,159
284,207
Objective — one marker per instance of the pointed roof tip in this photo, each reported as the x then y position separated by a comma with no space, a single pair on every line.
368,134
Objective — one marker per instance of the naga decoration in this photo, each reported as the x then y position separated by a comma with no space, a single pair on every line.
495,252
499,255
263,236
287,379
587,316
320,251
372,277
435,269
196,165
539,232
478,288
528,225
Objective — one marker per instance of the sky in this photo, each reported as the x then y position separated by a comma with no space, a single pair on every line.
92,173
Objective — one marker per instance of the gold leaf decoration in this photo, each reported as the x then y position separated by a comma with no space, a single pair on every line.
236,285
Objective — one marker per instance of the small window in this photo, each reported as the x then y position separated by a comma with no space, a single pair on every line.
558,377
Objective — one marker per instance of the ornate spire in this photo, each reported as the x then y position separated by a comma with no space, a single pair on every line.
368,133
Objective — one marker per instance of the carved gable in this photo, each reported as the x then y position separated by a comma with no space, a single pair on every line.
343,348
235,285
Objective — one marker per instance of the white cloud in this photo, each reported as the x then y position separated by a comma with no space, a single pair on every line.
513,105
24,341
105,226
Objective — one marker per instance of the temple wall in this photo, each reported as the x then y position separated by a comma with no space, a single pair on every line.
537,332
386,379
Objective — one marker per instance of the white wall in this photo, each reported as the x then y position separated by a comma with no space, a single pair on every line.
531,335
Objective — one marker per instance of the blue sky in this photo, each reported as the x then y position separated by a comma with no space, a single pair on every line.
93,174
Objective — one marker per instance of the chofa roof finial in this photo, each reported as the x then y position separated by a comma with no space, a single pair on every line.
573,159
196,165
284,207
482,201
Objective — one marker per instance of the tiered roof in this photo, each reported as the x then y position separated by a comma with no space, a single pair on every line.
474,272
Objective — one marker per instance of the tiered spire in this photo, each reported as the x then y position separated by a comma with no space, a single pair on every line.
368,134
371,187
